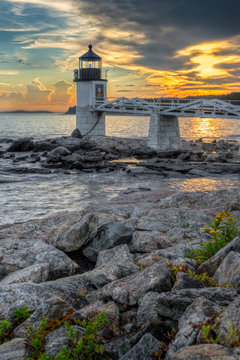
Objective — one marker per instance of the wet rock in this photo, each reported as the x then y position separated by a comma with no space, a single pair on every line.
210,266
110,309
228,322
184,281
21,145
144,349
148,241
14,349
52,309
76,133
207,352
35,273
73,143
75,236
17,255
108,236
118,251
56,339
59,151
173,304
190,323
128,290
228,272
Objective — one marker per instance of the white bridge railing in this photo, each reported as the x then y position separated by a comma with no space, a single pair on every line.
179,107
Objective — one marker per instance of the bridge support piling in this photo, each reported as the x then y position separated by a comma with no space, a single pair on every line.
93,121
164,132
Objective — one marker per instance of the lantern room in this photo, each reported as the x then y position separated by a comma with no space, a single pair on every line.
90,67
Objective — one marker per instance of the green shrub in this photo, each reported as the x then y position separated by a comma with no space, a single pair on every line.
21,314
5,330
223,229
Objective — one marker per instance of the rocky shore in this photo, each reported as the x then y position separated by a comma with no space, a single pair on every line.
125,258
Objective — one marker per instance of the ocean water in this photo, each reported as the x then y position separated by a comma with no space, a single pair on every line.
27,196
42,126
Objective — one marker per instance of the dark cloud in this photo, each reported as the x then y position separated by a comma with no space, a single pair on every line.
168,25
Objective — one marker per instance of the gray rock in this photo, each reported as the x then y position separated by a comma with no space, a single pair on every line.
16,296
228,272
147,308
210,266
17,255
190,323
120,266
21,145
147,260
184,281
56,339
76,133
75,236
127,291
110,309
229,320
148,241
144,349
35,273
52,309
14,349
73,143
108,236
107,255
173,304
59,151
207,352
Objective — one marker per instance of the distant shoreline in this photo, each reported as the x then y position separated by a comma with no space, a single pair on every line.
27,112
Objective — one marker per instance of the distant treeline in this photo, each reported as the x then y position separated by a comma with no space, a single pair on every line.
231,96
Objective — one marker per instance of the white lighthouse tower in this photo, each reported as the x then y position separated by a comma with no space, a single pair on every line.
91,90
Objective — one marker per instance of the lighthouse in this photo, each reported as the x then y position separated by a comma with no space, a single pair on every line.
91,91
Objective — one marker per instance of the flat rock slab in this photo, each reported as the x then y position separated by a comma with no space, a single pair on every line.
207,352
128,290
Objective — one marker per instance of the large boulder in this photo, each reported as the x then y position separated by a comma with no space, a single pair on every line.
14,349
190,323
17,255
229,322
144,349
76,133
108,236
173,304
210,266
207,352
228,273
35,273
21,145
74,237
148,241
128,290
184,281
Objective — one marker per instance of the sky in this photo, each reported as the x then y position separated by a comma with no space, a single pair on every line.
157,48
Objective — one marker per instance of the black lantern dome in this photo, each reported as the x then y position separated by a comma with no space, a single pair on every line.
90,66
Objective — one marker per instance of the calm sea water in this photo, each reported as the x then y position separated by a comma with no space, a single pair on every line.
26,196
41,126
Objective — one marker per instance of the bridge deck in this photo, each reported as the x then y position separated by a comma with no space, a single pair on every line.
179,107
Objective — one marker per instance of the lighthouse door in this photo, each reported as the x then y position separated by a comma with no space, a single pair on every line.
99,94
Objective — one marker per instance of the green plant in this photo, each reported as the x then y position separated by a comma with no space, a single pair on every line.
175,269
37,339
5,330
204,277
87,346
234,336
21,314
209,335
222,230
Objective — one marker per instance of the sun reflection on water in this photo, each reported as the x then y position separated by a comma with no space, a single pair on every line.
203,184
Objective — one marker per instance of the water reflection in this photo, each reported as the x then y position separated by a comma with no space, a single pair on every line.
204,184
